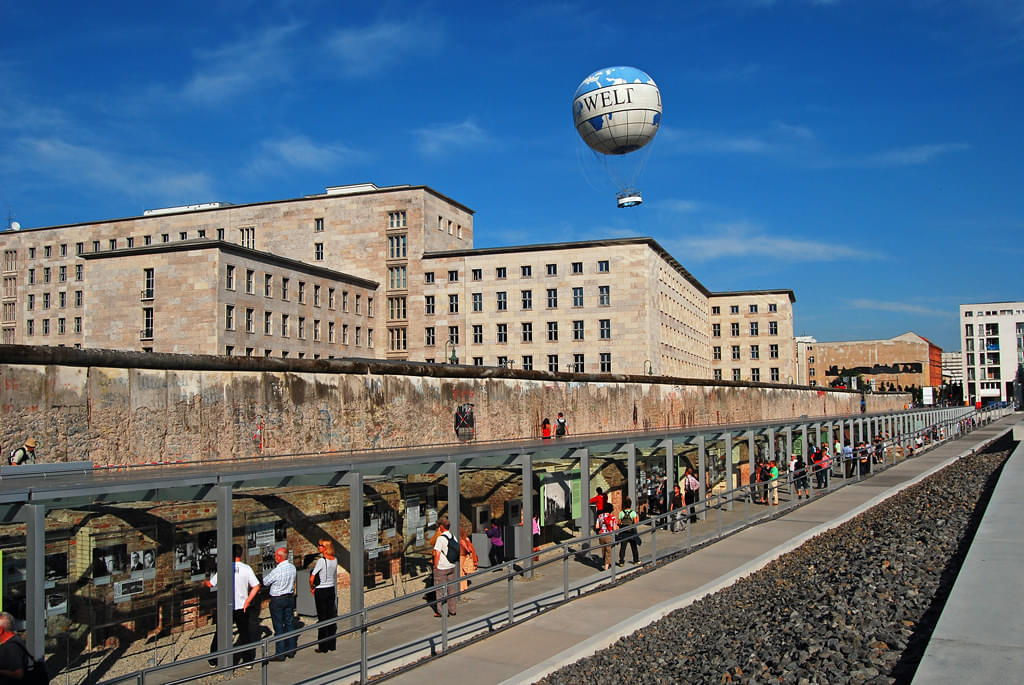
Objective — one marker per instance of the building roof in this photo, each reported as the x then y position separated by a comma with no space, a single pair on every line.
733,293
233,248
577,245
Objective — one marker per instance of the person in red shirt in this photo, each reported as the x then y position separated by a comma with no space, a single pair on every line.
545,429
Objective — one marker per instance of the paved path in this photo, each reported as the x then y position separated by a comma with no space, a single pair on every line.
532,649
980,636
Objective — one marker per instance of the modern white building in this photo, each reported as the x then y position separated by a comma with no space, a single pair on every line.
953,367
992,340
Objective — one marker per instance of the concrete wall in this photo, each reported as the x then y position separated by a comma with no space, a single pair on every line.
123,407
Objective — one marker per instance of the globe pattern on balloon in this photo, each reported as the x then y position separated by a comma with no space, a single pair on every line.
617,110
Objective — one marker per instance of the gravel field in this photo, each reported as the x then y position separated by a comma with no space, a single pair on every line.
854,605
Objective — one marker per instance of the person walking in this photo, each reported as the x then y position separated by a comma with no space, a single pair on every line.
281,581
536,536
246,587
468,560
496,554
561,429
800,477
13,652
605,528
677,509
628,517
444,566
26,454
773,476
323,583
826,465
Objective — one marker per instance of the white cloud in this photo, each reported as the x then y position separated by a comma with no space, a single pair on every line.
260,59
434,141
299,152
369,50
53,158
898,307
913,155
679,206
743,239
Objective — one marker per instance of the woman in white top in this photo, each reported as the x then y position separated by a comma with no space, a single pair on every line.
323,583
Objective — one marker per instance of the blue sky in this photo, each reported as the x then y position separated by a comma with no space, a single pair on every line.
857,152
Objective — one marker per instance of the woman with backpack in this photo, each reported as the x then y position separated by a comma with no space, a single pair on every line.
605,528
628,517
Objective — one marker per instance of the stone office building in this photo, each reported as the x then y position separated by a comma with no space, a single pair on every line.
362,271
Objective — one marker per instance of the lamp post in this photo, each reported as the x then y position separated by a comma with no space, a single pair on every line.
648,367
453,358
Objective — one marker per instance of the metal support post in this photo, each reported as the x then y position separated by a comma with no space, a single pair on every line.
728,470
35,579
586,524
524,541
451,470
751,459
702,467
225,571
357,554
631,472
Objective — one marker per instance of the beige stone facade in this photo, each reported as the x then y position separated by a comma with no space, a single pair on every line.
752,336
384,273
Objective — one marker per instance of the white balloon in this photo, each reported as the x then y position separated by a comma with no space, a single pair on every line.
617,110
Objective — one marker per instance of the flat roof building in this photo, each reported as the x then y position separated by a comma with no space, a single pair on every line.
992,343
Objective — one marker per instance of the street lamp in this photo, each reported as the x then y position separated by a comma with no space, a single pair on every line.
648,367
453,358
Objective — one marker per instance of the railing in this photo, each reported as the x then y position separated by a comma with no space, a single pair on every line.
660,527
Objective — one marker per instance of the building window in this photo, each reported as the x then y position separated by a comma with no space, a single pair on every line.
318,225
604,295
773,328
735,352
332,301
396,339
453,335
344,333
396,219
552,298
773,373
318,252
527,299
526,271
112,244
755,351
78,324
755,375
527,332
716,330
734,329
220,234
46,274
30,305
428,304
736,374
453,304
229,277
331,328
716,352
247,237
552,269
602,266
428,277
229,317
396,277
250,323
552,331
30,327
61,326
316,295
773,307
79,248
502,301
527,362
478,274
606,362
577,297
453,276
369,312
181,236
147,323
715,311
46,300
734,309
165,237
398,246
302,328
147,240
284,325
577,330
268,323
501,273
577,363
250,281
62,274
577,267
753,328
553,362
478,302
717,374
478,334
302,292
396,308
502,333
753,309
428,337
773,351
79,272
78,298
605,326
31,276
148,284
478,361
359,302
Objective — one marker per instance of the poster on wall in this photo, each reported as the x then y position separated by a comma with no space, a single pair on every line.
262,539
143,563
126,589
56,569
204,556
107,562
183,552
559,497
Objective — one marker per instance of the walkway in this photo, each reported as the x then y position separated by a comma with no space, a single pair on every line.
531,650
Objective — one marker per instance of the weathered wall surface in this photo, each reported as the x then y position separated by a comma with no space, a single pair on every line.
112,407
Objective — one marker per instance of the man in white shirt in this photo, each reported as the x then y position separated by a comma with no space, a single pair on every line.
246,587
444,570
281,581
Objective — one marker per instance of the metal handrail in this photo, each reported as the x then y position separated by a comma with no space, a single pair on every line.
559,553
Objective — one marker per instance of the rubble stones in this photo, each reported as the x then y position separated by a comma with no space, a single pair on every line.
856,604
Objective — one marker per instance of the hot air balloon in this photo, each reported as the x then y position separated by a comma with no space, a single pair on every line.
617,111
